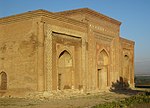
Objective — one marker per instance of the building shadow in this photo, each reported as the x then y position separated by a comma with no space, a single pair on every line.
122,86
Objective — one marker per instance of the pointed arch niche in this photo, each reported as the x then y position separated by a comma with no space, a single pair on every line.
3,81
126,68
102,71
65,70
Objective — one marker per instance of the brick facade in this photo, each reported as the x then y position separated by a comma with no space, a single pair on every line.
77,50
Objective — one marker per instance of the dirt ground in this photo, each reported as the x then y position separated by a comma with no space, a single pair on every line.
83,101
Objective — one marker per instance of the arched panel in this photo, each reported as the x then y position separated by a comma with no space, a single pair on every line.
104,55
65,67
102,71
3,81
65,59
126,70
103,58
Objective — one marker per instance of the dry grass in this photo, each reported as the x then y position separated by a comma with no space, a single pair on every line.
71,102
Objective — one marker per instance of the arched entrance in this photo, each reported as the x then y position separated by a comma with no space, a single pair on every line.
3,81
65,69
102,72
126,71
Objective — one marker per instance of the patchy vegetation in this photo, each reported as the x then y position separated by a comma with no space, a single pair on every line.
20,102
126,99
131,102
81,101
120,96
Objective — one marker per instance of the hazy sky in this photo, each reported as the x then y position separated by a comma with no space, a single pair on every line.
134,15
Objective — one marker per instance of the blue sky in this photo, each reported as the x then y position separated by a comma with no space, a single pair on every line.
134,15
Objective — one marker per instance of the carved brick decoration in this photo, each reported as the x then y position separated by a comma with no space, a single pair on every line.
47,52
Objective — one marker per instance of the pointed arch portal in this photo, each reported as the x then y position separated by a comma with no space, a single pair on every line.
65,73
102,72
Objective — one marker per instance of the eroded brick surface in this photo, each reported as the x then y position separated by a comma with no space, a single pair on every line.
44,52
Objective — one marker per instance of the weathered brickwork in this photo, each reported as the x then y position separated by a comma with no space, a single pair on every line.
48,57
73,50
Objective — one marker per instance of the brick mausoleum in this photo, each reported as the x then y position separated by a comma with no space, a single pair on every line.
80,49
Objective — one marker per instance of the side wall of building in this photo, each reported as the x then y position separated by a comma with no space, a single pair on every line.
18,55
127,61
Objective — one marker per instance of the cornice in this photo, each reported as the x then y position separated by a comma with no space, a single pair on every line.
104,30
127,41
90,12
38,14
104,37
21,17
